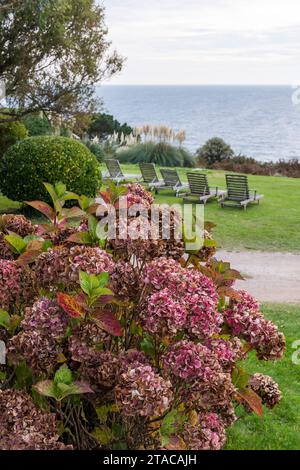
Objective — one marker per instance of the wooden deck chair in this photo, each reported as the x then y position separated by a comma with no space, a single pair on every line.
172,180
115,171
199,189
238,192
150,176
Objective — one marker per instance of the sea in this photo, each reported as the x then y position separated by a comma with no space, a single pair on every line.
257,121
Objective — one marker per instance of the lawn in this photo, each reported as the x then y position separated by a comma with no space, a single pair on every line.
280,428
272,226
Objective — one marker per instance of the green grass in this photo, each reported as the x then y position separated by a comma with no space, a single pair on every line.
280,427
272,226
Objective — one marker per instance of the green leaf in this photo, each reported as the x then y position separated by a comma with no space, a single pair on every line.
63,375
92,224
16,242
4,318
84,202
60,189
103,279
240,378
85,282
147,346
82,238
46,388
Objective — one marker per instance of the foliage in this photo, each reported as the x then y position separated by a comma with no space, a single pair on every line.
248,165
104,125
10,133
97,150
37,125
214,150
29,163
37,34
160,153
142,353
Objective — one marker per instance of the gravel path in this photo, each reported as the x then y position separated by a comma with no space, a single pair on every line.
270,277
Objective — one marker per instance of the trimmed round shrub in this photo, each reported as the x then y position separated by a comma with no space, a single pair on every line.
214,150
10,133
160,153
27,164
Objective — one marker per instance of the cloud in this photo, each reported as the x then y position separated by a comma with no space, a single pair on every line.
164,35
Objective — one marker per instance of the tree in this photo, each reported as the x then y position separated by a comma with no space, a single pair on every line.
52,52
213,151
103,125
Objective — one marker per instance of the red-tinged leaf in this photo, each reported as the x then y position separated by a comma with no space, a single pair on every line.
42,207
29,256
74,212
106,320
105,196
83,387
82,238
62,224
176,443
252,399
45,388
81,299
105,299
92,209
233,274
229,292
70,305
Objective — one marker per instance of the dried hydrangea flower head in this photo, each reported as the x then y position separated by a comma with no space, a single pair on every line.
23,426
207,434
18,224
141,391
62,265
266,388
16,284
246,321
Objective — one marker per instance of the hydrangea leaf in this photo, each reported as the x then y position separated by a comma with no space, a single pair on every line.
63,375
252,399
70,305
82,238
106,320
44,208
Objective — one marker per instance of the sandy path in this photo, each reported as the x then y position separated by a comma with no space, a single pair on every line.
270,277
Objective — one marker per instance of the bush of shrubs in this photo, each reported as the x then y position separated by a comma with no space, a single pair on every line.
123,344
27,164
241,164
10,133
161,153
213,151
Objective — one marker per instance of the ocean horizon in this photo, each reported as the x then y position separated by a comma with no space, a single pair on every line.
260,121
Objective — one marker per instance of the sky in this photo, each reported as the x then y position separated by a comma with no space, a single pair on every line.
170,42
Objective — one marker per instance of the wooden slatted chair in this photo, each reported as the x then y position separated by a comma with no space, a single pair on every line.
150,176
238,192
172,180
199,189
115,171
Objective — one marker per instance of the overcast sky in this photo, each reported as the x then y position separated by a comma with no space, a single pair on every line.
206,41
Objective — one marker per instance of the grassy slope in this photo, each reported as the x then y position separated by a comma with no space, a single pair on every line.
280,428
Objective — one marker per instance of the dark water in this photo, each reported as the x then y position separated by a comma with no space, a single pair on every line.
258,121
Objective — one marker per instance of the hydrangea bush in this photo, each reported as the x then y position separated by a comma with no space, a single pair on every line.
126,343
